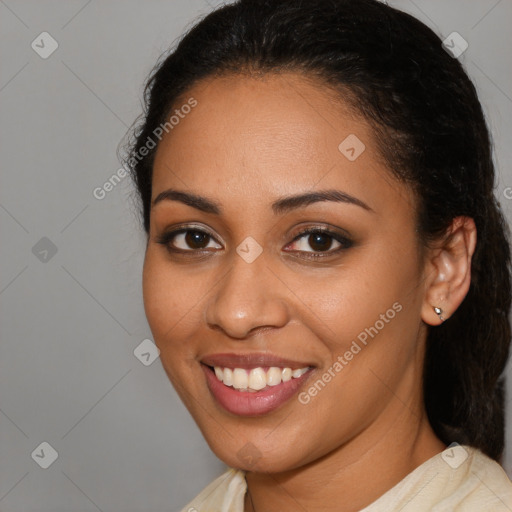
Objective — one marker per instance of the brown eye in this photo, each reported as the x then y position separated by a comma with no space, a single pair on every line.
196,239
186,240
319,243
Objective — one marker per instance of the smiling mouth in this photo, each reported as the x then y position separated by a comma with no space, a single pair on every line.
256,379
254,391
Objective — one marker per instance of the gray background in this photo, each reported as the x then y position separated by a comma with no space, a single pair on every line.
72,320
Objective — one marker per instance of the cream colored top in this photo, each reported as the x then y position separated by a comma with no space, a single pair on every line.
460,479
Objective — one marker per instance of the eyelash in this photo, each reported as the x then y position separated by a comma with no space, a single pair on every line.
166,239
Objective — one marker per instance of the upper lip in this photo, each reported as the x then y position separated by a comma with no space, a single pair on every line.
251,360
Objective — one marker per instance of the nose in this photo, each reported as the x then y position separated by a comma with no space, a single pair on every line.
248,297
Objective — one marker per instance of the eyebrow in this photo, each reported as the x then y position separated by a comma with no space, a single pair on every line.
279,207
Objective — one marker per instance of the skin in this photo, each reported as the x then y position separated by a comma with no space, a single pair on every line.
248,142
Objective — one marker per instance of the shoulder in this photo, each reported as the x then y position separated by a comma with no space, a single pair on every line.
484,486
460,479
224,494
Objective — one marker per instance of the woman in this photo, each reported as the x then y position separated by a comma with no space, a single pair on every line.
327,272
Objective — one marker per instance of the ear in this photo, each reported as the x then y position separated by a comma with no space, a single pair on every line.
448,271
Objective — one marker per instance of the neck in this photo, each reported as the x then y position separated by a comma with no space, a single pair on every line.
354,475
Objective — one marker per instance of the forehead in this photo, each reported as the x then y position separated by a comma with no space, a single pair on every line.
248,138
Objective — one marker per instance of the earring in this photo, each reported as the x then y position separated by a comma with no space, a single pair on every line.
439,312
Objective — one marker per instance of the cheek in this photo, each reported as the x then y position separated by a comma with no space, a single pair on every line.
169,299
172,309
353,297
367,312
379,328
157,302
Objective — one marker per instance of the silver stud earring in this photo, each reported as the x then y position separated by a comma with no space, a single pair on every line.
439,312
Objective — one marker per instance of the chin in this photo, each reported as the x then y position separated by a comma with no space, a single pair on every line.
257,454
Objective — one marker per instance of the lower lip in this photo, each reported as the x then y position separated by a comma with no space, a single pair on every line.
246,403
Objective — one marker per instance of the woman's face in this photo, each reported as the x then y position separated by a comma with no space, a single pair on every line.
241,289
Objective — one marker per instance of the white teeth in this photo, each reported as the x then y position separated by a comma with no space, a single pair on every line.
227,376
297,373
219,373
273,376
256,379
240,378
